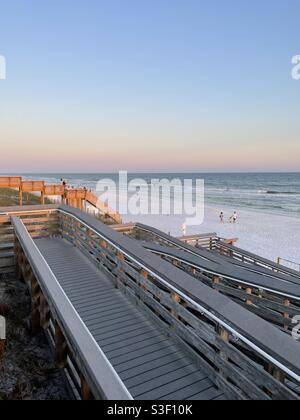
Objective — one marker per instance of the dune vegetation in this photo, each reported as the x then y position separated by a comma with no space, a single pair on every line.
10,197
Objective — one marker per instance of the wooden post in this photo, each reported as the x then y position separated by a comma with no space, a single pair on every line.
121,259
44,312
249,292
21,197
277,374
224,334
145,275
35,303
286,315
42,198
177,299
278,262
61,348
85,389
2,337
104,245
216,281
18,271
2,349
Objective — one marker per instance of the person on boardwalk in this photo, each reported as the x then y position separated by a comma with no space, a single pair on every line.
222,217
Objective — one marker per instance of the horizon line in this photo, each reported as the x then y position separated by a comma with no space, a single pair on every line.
144,172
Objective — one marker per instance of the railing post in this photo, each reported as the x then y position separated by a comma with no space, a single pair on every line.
216,281
286,315
249,293
2,337
224,335
35,303
277,374
121,260
61,348
104,245
145,275
86,394
17,252
44,312
177,299
21,196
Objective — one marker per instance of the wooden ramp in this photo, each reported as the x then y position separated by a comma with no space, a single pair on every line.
151,364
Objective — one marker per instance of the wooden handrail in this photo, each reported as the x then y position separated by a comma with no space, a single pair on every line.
251,258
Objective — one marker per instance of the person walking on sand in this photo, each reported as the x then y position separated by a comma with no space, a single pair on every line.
233,219
222,217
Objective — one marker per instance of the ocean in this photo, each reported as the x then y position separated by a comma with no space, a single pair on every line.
269,192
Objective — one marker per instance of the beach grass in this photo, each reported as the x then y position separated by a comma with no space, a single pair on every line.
10,197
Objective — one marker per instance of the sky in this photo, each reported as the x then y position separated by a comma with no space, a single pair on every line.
164,85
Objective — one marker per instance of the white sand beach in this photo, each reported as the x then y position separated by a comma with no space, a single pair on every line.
267,234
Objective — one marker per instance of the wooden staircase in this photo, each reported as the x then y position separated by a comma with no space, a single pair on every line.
73,197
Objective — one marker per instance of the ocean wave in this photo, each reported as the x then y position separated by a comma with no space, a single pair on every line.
282,192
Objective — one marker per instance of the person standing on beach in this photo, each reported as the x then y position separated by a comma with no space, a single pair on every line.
234,218
222,217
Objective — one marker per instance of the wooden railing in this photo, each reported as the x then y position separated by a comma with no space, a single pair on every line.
207,241
10,182
265,298
245,355
148,233
289,264
40,221
74,197
273,295
253,259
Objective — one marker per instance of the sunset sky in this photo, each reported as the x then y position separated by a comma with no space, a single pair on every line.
171,85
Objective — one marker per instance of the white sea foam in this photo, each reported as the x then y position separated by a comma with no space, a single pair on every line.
269,228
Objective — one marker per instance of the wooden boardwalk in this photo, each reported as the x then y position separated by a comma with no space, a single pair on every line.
151,364
125,324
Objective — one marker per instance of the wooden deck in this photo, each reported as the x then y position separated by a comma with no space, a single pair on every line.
149,362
